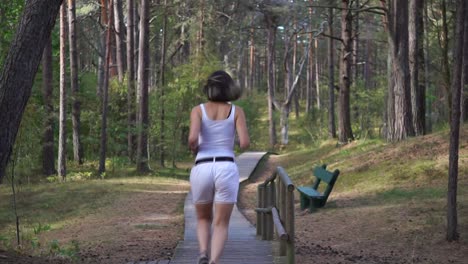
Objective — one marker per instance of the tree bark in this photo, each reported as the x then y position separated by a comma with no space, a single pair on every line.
317,77
310,65
398,46
415,50
76,102
331,78
105,95
286,108
131,108
271,36
252,60
62,147
143,83
428,123
356,40
345,133
464,102
162,82
444,42
20,67
48,158
119,38
452,218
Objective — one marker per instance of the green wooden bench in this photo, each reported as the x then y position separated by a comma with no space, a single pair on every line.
311,197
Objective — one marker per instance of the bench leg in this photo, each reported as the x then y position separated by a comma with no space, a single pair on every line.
305,201
312,207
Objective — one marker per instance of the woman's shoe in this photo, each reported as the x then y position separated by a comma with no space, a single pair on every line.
203,259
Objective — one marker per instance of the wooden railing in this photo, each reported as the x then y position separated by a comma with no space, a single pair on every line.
275,198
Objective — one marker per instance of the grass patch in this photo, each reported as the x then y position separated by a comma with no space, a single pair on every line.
397,194
43,207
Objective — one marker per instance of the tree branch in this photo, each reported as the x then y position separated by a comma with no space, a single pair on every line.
370,9
296,80
332,37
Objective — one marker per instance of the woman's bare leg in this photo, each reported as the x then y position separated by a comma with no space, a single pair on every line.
204,220
220,230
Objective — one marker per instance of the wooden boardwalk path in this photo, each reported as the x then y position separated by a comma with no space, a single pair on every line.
242,245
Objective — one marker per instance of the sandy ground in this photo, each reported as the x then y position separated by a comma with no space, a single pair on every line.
353,230
143,227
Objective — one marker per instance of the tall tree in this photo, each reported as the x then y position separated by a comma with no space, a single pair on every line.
398,43
62,147
416,59
20,67
143,83
465,73
162,82
105,93
251,59
331,77
119,27
452,218
444,43
75,95
131,111
271,37
310,63
48,159
356,43
345,132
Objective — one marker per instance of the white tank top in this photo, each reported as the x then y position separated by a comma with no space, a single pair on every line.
216,137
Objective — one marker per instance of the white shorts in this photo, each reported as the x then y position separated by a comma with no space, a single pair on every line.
214,181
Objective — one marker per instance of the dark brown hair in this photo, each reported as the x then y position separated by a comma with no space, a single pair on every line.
221,88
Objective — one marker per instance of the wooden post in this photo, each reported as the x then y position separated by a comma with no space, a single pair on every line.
268,216
290,226
259,214
282,213
262,215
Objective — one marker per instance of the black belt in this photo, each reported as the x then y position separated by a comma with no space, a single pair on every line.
214,159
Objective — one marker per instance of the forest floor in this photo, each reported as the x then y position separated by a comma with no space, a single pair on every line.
401,225
144,226
353,227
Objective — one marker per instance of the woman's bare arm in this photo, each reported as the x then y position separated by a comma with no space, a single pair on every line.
241,127
195,124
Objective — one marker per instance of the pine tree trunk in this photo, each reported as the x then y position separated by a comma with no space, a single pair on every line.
317,77
105,94
356,43
76,102
294,62
131,108
428,123
271,36
398,45
19,68
252,61
465,72
452,218
331,78
285,109
162,82
62,147
444,41
415,50
48,158
119,38
345,133
143,83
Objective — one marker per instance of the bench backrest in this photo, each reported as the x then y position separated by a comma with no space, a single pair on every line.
321,174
